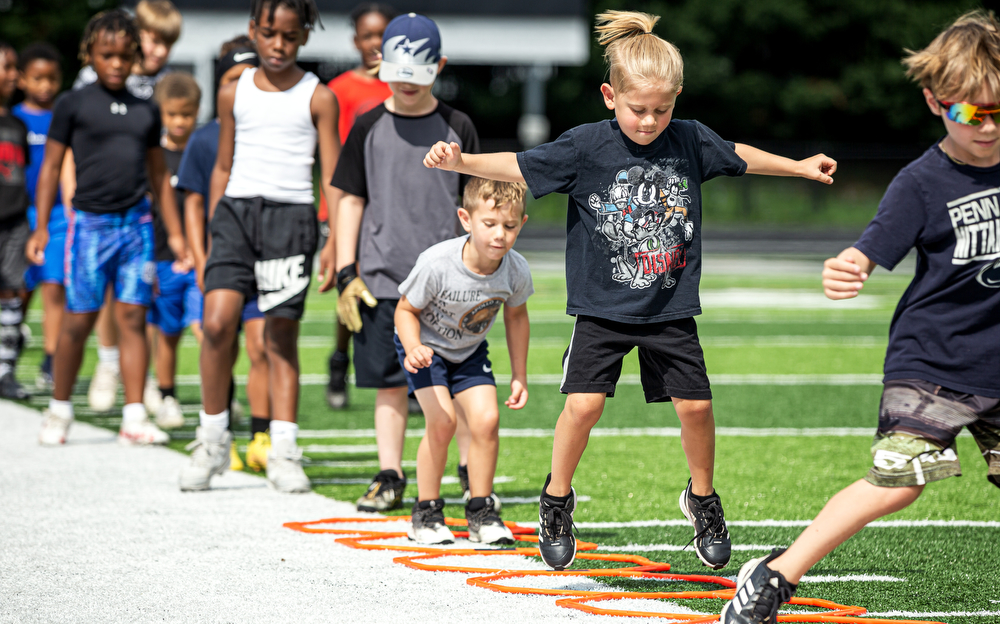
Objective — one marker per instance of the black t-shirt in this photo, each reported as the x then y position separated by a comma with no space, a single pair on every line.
109,132
633,230
162,249
14,155
946,328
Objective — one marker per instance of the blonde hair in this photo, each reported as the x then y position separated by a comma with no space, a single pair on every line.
962,60
177,85
480,190
160,17
635,56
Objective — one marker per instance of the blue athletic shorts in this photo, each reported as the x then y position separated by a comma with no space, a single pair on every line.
251,311
103,249
53,270
475,370
178,302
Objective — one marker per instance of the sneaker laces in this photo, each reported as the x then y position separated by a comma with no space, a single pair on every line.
715,522
485,515
775,592
557,521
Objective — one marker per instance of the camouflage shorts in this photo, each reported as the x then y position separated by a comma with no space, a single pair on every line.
917,425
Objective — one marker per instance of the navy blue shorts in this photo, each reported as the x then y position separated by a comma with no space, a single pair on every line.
475,370
178,302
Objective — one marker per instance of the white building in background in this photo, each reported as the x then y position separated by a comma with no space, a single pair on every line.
534,34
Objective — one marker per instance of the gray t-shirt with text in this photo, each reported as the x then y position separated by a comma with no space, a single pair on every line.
458,307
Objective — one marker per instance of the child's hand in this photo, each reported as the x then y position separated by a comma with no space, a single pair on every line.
35,249
418,357
820,168
444,156
518,395
178,245
842,277
328,265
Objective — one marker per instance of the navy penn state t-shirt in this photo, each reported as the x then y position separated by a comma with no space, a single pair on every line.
633,228
946,328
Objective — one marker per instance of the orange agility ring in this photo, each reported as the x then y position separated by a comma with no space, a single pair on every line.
500,578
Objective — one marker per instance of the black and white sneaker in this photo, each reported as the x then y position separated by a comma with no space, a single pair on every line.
385,492
711,537
556,541
759,592
463,481
336,388
11,389
485,525
427,523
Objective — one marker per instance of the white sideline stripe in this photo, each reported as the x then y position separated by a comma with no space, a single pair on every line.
614,432
676,548
340,448
878,524
446,480
855,578
928,614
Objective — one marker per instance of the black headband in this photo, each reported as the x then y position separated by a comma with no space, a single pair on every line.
236,56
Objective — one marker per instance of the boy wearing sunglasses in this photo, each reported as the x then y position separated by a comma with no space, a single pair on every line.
942,367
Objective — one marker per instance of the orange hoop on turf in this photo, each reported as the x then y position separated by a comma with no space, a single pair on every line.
640,567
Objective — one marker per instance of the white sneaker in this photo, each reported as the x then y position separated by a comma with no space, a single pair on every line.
141,433
284,468
427,525
170,415
54,429
103,387
210,456
151,396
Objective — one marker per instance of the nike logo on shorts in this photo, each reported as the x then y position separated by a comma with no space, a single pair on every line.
243,56
280,279
487,369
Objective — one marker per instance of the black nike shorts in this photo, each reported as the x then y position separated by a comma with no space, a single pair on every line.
263,249
376,364
671,362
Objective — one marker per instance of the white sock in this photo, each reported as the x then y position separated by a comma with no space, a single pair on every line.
284,430
134,413
109,356
217,421
62,409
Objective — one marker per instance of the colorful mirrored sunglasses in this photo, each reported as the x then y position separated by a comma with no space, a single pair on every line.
970,114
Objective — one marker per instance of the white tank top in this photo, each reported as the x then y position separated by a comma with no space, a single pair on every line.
275,142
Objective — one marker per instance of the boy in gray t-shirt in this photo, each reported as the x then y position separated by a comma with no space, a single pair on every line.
448,304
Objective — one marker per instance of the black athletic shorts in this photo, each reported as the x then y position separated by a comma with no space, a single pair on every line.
671,362
263,249
376,364
14,234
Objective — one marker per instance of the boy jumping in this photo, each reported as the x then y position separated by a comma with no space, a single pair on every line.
942,367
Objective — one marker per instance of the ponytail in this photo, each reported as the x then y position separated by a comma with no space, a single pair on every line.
635,56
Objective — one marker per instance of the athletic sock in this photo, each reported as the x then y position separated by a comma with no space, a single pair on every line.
11,316
133,413
701,499
46,366
218,421
476,503
559,500
62,409
109,356
284,430
259,424
167,392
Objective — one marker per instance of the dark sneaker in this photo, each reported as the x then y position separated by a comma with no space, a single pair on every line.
385,492
759,592
711,537
427,523
463,480
556,542
336,388
485,525
10,389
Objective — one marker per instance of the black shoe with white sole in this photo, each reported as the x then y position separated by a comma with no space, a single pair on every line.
556,541
759,592
711,537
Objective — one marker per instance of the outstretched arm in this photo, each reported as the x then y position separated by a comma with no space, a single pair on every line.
518,333
499,166
844,275
819,167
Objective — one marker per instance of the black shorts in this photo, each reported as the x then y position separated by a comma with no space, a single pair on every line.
14,234
263,249
376,364
671,362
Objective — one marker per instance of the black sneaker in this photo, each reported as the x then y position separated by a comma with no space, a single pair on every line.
336,388
759,592
427,523
556,542
385,492
463,480
485,525
711,537
10,389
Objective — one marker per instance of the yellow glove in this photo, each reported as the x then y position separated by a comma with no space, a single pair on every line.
351,289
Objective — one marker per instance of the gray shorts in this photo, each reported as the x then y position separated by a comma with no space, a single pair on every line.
14,234
917,425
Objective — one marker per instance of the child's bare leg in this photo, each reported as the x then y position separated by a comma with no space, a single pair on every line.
281,337
69,352
132,348
195,328
53,306
698,442
479,403
257,378
432,454
581,413
846,514
463,437
219,323
107,331
390,427
166,359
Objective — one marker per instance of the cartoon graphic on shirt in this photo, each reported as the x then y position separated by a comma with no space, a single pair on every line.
645,219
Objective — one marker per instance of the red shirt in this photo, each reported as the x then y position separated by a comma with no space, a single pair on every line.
356,95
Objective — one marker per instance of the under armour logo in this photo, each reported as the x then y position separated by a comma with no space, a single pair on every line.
117,108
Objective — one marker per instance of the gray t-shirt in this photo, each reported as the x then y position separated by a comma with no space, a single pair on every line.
458,307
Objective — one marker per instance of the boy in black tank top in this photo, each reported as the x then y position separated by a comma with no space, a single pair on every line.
262,246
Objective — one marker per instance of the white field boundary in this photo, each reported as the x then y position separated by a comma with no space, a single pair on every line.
615,432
